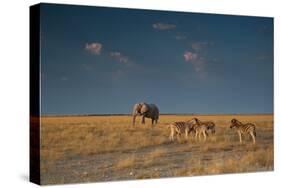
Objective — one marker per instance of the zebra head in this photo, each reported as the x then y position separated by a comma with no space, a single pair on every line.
233,123
195,120
211,127
192,121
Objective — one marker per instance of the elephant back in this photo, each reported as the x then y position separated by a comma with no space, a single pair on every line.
154,109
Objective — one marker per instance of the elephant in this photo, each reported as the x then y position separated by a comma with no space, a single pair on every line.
146,111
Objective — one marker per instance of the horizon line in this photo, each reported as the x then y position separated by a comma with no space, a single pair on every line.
127,114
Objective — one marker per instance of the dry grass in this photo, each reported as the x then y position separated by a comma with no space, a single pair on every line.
248,161
95,148
126,163
153,158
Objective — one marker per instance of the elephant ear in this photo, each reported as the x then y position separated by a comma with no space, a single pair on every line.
144,108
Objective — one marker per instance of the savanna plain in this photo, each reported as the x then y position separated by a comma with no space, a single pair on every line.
108,148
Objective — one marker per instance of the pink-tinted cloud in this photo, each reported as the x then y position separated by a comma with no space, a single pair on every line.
120,57
188,56
198,63
163,26
94,48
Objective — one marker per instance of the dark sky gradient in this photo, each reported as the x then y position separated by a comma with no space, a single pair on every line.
183,62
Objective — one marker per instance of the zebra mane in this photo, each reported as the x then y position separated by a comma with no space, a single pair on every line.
193,120
239,122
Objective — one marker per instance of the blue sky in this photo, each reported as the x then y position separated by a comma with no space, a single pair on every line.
98,60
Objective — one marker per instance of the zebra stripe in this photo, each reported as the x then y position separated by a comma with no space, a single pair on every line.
180,127
247,128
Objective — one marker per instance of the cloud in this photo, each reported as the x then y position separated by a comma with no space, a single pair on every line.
188,56
94,48
163,26
120,57
198,63
198,45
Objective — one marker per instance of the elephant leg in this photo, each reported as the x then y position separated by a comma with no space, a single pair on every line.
134,119
152,122
143,121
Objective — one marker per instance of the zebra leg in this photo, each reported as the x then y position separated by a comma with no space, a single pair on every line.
206,133
240,137
196,135
205,137
178,137
199,137
253,137
186,134
172,135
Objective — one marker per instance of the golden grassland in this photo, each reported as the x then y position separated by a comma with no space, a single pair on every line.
101,148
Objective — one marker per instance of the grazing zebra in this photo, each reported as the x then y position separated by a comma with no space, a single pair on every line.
247,128
181,127
202,128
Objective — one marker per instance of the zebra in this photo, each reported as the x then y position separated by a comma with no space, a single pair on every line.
202,128
181,127
247,128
